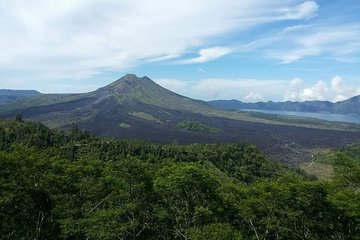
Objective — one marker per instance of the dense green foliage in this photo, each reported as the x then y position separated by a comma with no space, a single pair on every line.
331,156
145,116
57,185
196,126
352,151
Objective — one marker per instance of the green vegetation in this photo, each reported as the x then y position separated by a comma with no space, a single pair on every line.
322,166
18,117
329,156
318,169
144,116
57,185
196,126
352,151
124,125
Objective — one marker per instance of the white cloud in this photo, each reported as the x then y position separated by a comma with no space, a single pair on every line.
254,97
341,91
207,54
295,87
336,82
334,41
243,89
338,42
93,36
316,92
304,10
254,90
334,90
174,85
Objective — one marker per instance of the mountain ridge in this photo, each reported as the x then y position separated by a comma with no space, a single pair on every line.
145,90
348,106
8,96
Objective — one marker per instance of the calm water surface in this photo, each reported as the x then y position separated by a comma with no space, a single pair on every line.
323,116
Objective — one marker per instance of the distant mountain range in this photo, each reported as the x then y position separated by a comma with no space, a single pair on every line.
137,107
349,106
8,96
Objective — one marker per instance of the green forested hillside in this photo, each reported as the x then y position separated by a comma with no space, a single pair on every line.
57,185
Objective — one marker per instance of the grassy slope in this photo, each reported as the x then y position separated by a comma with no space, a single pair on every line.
322,163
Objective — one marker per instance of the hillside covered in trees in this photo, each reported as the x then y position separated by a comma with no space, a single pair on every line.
72,185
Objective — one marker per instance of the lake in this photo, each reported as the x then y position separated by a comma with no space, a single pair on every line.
323,116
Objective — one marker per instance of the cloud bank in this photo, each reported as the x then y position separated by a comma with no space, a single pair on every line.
334,90
254,90
79,39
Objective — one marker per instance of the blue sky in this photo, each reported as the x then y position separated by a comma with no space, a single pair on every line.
251,50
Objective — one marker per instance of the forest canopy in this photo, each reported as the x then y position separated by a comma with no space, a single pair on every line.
72,185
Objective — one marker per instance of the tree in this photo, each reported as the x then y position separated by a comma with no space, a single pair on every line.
19,117
188,197
215,232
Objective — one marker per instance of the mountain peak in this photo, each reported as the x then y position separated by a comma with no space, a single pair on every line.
130,75
131,88
126,84
133,77
130,80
